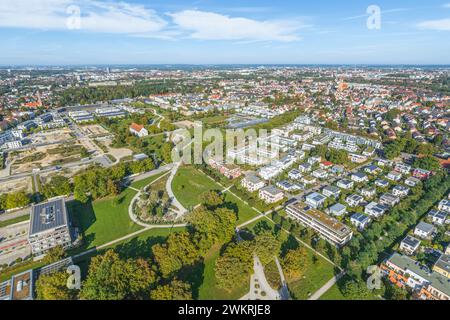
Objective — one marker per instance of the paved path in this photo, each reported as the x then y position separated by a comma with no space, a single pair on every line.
181,210
284,290
128,236
259,284
326,287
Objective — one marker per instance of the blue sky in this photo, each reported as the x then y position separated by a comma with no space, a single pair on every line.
56,32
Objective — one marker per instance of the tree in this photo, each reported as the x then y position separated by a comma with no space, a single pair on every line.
213,226
58,186
175,290
53,286
111,278
337,156
295,263
356,290
17,199
54,254
266,247
427,163
211,199
235,265
178,251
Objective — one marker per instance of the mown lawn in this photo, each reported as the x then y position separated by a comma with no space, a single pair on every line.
107,219
316,275
244,211
189,184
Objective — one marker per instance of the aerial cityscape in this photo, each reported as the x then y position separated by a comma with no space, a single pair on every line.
218,151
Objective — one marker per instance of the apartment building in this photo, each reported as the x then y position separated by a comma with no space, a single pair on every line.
442,266
252,183
271,194
409,245
49,226
406,272
328,227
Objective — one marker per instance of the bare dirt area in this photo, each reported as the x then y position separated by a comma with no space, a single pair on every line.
117,153
94,130
186,124
42,157
15,185
53,136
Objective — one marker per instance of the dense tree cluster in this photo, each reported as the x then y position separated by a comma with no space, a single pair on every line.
295,262
394,148
98,182
364,249
14,200
236,263
57,186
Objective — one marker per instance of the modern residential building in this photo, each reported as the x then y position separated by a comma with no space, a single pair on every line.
359,177
337,210
252,183
437,217
331,192
409,245
49,226
294,174
375,210
328,227
360,221
354,200
345,184
271,194
400,191
315,200
442,266
368,192
394,176
381,183
412,182
424,230
406,272
389,199
444,205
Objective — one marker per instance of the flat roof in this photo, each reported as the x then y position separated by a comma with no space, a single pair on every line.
437,280
324,219
48,215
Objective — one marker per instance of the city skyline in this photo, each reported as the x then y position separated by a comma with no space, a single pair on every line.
48,32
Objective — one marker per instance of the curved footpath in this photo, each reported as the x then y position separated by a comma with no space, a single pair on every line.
181,210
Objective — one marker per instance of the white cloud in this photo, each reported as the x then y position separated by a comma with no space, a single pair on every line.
438,25
446,5
213,26
96,16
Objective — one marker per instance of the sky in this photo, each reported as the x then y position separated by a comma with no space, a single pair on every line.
80,32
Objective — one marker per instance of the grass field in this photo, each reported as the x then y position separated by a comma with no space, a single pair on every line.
189,184
316,275
335,293
244,211
139,246
14,220
107,219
